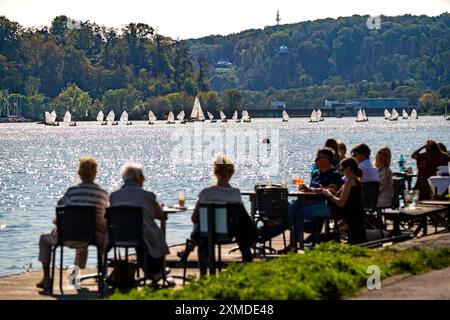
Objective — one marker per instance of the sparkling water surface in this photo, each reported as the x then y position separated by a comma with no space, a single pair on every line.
38,163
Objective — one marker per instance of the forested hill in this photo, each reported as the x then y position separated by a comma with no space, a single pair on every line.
331,50
83,67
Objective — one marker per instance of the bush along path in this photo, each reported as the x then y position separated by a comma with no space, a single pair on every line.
330,271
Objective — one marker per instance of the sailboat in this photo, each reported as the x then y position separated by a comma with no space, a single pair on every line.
111,117
404,114
394,115
285,116
50,119
414,114
124,118
364,115
151,117
170,118
211,117
387,114
360,116
180,117
100,117
235,117
68,119
246,116
319,115
314,116
197,112
223,117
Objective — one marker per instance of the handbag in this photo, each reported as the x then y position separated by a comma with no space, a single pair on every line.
122,276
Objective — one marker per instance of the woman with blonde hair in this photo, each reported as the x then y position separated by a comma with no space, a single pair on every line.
223,192
386,190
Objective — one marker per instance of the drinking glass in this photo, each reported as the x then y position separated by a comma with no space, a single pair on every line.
411,198
284,183
181,199
297,180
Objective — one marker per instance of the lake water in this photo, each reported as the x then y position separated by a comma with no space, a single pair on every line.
38,163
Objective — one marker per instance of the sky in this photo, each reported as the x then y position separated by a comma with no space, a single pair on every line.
196,18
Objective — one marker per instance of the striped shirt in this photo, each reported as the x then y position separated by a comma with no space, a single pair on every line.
88,194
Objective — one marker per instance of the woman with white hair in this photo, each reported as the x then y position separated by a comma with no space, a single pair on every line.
133,194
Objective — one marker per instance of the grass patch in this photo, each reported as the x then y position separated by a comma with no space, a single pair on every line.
330,271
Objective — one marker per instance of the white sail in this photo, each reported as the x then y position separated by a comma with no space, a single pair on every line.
285,116
111,116
100,116
314,116
414,114
197,112
151,117
245,116
319,114
53,117
48,117
171,117
387,114
394,114
124,117
404,114
360,116
210,116
67,117
180,116
222,115
364,114
235,116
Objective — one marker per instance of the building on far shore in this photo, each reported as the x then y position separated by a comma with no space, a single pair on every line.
372,106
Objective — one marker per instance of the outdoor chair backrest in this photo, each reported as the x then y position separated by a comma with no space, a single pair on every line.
125,225
219,218
370,194
76,223
272,202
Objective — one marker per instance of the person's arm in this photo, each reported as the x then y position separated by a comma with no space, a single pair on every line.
340,202
415,154
196,213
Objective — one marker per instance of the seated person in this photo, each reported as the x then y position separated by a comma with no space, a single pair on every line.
386,188
326,176
224,192
361,153
349,198
133,194
428,157
342,150
87,193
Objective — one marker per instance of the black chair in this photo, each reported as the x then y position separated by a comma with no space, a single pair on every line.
271,203
75,224
224,223
125,230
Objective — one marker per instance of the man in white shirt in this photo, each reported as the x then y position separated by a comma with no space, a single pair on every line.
362,155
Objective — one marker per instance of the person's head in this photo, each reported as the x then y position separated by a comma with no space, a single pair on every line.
383,158
361,152
223,168
331,143
350,168
87,169
342,149
132,172
324,159
432,147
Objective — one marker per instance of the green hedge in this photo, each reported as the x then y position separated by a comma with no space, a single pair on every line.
330,271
